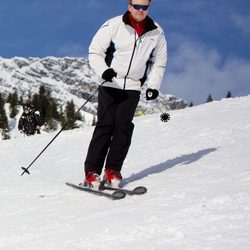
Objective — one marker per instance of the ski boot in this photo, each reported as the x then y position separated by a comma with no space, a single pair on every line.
92,180
112,178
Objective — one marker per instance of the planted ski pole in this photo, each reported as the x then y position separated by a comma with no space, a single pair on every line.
26,170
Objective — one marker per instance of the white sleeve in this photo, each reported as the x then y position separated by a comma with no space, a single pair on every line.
159,61
98,47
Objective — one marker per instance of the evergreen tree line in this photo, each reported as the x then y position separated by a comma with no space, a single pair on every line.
51,115
210,98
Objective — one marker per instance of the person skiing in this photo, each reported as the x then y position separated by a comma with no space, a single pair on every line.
29,122
126,51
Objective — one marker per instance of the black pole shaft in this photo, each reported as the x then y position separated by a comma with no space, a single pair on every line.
25,170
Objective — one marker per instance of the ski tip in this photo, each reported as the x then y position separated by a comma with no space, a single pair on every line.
117,195
25,170
140,190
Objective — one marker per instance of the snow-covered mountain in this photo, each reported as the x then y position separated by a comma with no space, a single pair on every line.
196,169
67,78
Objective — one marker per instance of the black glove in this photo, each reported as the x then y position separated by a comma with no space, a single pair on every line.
108,75
151,94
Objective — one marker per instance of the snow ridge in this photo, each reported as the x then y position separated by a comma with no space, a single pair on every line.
68,78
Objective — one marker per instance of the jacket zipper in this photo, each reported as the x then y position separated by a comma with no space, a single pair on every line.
130,63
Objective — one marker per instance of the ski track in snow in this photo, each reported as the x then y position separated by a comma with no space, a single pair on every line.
196,169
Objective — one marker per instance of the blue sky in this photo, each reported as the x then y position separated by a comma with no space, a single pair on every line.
208,41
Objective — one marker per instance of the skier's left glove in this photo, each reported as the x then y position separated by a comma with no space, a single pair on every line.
151,94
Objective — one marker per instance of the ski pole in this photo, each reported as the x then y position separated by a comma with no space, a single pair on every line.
26,170
164,116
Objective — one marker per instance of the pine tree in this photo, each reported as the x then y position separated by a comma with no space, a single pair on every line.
229,94
46,105
209,98
55,113
191,104
94,121
62,117
51,122
40,102
3,119
9,98
13,105
70,116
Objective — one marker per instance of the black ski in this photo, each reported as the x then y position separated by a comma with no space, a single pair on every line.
136,191
116,195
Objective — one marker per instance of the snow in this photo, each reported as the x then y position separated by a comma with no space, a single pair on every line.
196,169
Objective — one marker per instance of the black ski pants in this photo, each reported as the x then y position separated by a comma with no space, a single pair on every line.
113,132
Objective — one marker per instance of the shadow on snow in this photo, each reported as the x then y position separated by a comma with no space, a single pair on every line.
183,160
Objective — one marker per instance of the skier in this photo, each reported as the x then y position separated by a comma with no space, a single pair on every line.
126,51
29,122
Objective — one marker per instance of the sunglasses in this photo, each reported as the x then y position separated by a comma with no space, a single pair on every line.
138,7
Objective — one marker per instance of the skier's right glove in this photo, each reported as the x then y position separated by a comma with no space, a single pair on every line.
108,75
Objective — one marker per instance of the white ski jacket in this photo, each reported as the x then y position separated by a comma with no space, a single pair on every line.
117,45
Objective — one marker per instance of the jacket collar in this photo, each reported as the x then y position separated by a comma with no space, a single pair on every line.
149,23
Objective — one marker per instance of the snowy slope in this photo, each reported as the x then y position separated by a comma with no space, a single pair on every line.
196,169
